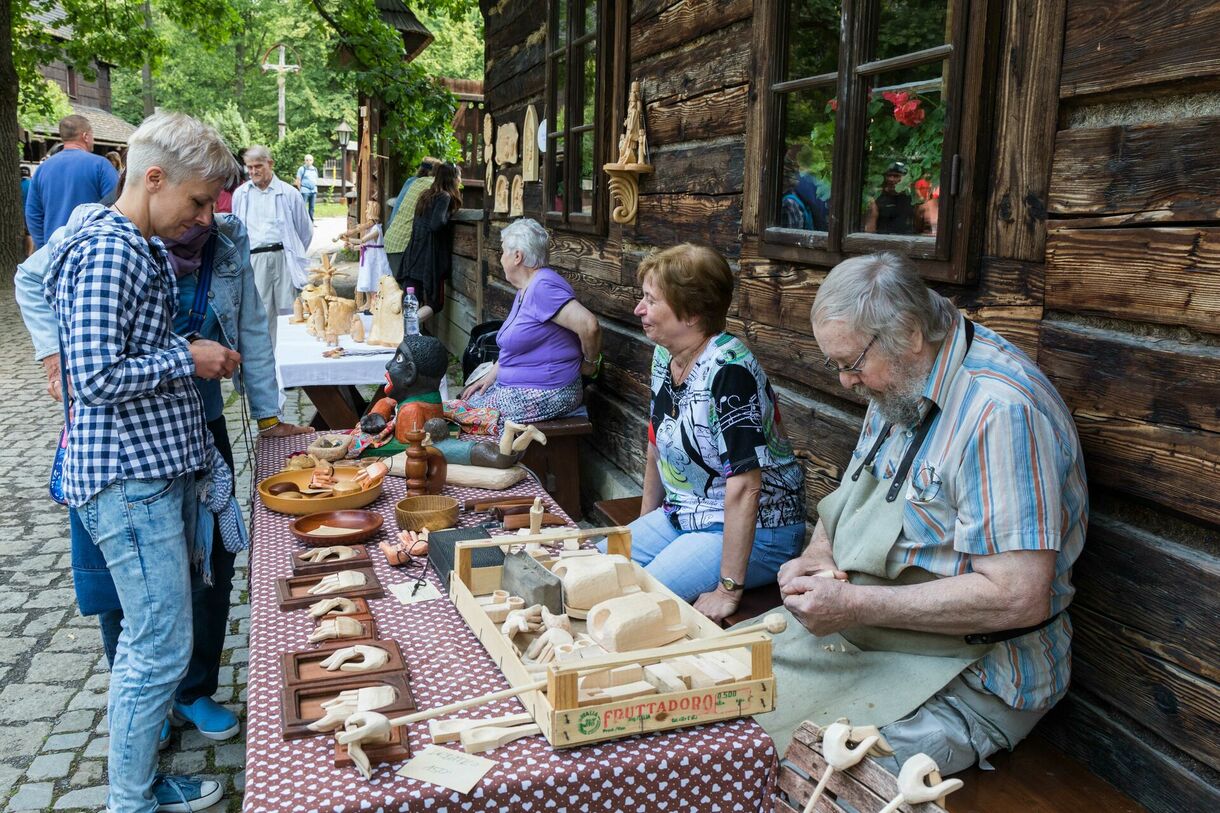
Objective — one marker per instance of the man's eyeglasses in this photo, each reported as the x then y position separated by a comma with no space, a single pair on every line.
855,366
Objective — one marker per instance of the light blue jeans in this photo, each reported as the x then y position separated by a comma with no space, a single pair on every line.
141,527
688,562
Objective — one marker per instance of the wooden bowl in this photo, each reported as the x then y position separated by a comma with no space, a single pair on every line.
431,511
312,505
363,524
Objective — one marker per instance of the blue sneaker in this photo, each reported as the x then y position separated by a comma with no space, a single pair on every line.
163,740
213,720
185,794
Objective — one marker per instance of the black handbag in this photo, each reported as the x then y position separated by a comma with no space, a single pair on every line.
482,346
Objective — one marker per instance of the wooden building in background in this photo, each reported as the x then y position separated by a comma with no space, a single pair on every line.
1060,161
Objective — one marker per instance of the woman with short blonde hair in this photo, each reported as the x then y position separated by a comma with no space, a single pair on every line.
724,496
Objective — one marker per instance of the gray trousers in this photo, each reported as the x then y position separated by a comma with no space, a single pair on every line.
273,281
958,726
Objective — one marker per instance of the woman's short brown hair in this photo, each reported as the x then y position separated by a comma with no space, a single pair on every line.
695,281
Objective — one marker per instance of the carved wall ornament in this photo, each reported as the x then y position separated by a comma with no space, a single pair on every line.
529,150
632,161
501,194
488,149
506,144
517,205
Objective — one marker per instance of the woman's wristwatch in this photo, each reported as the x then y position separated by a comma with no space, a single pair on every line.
731,585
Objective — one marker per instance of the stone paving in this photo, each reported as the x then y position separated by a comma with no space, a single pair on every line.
53,676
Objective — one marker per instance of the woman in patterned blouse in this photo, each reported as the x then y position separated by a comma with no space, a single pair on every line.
724,497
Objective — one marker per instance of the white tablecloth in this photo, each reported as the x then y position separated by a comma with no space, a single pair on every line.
299,361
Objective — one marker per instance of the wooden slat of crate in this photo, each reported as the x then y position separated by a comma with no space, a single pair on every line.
867,786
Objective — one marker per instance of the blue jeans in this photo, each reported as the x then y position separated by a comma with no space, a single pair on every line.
209,607
310,197
141,528
688,562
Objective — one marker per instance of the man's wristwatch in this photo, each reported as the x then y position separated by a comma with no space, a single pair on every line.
730,585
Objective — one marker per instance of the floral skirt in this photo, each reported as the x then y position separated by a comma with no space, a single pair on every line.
528,404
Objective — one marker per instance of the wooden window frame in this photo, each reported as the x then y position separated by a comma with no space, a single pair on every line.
950,258
611,22
73,83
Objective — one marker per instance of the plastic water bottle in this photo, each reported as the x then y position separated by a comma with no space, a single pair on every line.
410,313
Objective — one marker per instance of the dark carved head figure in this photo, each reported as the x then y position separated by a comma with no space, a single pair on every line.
417,368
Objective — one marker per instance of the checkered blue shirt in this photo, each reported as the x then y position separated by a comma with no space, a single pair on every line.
137,413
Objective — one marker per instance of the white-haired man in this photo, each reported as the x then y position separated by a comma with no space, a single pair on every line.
280,232
138,443
943,560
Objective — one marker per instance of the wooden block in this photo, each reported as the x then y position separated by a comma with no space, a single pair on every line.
618,676
302,704
664,677
696,675
398,749
612,694
729,662
304,667
292,592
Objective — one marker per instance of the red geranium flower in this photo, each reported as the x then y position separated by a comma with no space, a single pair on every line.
833,104
896,97
909,113
923,188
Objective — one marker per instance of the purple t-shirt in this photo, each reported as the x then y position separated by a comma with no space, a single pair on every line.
536,352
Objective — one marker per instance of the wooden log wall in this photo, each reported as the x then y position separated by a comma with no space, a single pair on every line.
1100,259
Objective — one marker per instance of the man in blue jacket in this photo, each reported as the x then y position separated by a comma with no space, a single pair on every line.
72,176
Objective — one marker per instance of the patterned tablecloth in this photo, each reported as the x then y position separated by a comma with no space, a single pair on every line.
728,766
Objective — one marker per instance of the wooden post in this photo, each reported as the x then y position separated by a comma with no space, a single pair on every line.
561,690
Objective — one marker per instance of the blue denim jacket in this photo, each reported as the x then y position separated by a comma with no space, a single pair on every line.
233,297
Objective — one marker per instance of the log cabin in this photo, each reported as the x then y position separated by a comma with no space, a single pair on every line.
1061,186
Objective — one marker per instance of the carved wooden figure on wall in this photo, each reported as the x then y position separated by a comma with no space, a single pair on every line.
501,194
506,144
516,206
529,146
488,150
632,161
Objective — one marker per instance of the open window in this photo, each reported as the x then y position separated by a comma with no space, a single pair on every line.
870,119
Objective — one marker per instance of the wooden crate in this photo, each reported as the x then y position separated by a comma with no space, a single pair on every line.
557,711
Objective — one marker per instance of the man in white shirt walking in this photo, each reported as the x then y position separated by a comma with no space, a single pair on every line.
280,232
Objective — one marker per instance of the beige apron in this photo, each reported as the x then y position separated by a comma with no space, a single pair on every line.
870,675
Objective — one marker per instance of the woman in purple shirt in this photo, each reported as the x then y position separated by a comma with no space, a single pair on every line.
547,341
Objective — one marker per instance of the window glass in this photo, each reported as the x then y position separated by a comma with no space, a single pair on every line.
808,157
589,85
905,131
559,175
590,17
815,50
584,145
906,26
561,96
560,30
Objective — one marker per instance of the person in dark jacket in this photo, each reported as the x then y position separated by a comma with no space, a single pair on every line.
429,257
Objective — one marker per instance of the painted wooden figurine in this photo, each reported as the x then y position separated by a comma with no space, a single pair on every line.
374,264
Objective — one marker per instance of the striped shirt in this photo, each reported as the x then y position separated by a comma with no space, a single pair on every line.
1001,470
137,414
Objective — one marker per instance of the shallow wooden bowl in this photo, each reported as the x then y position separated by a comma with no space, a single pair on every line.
312,505
363,524
431,511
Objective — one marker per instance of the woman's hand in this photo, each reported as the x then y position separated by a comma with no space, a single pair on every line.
718,604
485,381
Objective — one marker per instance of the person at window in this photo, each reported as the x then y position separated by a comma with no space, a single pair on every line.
398,229
428,260
547,341
891,212
943,560
724,495
794,213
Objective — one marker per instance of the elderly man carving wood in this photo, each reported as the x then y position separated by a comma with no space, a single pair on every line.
936,580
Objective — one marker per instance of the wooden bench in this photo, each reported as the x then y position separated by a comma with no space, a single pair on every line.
754,601
1036,777
557,464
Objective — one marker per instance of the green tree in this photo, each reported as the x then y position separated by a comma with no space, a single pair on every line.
457,50
110,31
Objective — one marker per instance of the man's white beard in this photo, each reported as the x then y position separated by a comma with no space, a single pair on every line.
900,404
